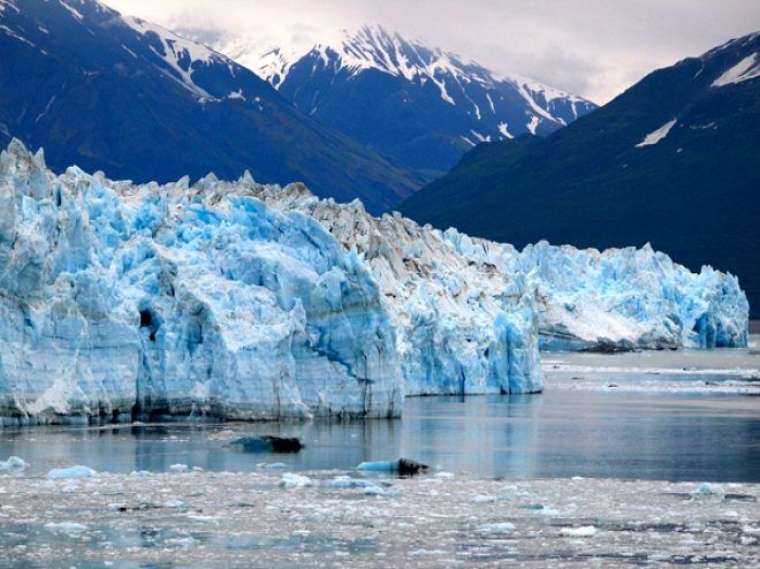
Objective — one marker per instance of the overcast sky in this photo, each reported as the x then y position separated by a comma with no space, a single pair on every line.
594,48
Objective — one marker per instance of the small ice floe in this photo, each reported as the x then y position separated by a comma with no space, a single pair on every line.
425,552
496,528
140,473
705,489
173,504
272,465
582,531
65,527
445,475
179,468
368,487
484,499
348,482
268,443
379,490
540,509
71,472
291,481
13,464
402,467
184,542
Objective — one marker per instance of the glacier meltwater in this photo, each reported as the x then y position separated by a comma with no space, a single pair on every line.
246,301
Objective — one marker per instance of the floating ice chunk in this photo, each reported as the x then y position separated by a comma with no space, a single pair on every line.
174,503
71,472
141,473
402,466
582,531
268,443
484,499
272,465
424,552
446,475
378,466
706,489
184,542
495,528
348,482
368,487
179,468
291,480
13,464
379,489
66,527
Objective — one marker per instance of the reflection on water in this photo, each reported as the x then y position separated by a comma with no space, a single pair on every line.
558,434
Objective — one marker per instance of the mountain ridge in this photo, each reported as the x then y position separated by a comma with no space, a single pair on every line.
422,106
122,95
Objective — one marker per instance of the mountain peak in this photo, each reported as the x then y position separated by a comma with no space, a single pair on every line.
373,47
422,106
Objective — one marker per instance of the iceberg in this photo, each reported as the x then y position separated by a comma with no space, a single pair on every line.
120,302
13,464
71,472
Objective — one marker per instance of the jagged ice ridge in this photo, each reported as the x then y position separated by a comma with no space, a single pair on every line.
617,299
121,301
249,301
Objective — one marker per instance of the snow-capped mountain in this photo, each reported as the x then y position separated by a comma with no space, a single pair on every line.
422,106
119,94
672,161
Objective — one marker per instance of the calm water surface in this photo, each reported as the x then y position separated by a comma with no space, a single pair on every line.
561,433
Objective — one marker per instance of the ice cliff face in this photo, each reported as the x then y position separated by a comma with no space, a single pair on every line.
620,299
462,326
249,301
123,301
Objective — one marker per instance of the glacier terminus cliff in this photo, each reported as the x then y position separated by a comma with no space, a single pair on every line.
244,301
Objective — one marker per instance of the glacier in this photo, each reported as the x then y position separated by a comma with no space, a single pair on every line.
620,299
120,302
239,300
462,327
578,299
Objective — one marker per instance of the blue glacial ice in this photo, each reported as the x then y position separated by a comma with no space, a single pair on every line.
119,301
619,299
249,301
71,472
462,327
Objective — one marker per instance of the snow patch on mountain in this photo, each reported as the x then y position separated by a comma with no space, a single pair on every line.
374,48
657,135
71,10
748,68
180,54
5,4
